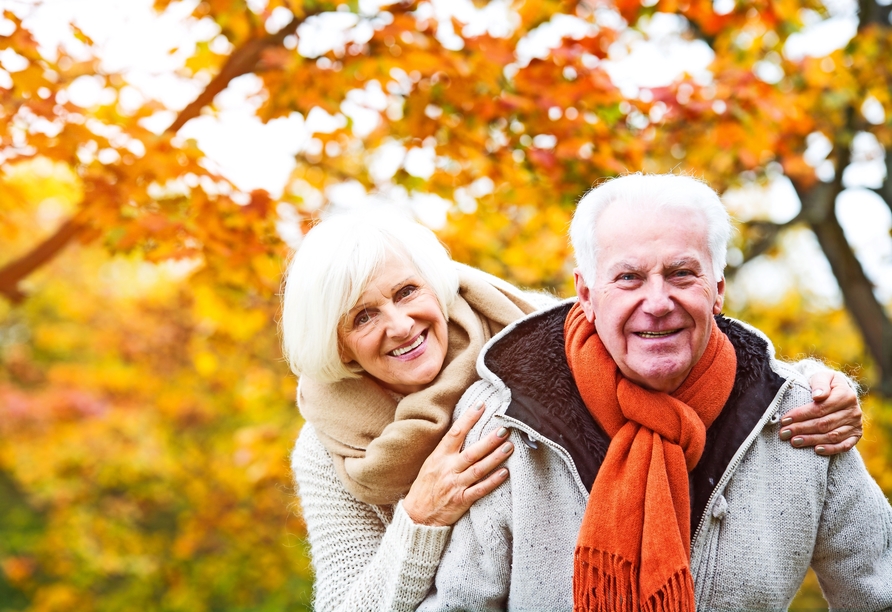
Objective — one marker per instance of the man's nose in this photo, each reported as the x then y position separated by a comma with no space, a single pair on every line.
657,299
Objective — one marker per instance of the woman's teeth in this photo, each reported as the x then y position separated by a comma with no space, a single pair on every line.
406,349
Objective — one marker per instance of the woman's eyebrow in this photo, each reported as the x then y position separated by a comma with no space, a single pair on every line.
399,284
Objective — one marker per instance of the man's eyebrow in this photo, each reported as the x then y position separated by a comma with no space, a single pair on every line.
685,262
624,266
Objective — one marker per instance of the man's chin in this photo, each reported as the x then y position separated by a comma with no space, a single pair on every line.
665,377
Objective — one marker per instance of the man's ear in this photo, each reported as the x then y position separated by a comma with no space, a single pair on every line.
585,296
719,298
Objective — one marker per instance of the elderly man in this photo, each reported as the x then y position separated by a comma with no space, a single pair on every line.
648,472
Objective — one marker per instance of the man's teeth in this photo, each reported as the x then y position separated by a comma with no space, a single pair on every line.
656,334
406,349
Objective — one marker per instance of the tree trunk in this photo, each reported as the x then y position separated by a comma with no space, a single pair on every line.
819,211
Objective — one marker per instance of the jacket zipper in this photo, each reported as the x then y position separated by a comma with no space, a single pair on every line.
738,456
560,450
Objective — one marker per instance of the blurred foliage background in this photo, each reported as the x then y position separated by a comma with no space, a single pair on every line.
146,414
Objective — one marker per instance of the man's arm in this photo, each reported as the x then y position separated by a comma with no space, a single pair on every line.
853,552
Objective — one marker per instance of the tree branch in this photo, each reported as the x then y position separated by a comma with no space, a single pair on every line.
12,273
243,60
766,235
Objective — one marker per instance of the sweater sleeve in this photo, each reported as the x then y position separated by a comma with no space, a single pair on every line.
362,560
853,552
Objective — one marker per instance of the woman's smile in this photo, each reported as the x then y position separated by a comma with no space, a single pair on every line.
404,351
396,332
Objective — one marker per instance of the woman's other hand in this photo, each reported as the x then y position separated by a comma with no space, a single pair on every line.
832,423
451,479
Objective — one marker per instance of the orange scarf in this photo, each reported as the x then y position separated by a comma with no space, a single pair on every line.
633,550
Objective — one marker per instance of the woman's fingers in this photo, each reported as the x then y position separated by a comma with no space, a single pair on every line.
480,449
486,486
494,449
837,441
455,437
832,423
452,479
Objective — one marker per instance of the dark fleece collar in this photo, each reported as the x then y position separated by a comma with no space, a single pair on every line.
531,361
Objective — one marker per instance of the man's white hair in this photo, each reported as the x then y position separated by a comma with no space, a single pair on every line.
638,193
332,268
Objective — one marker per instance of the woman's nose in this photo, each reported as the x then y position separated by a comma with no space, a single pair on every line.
398,324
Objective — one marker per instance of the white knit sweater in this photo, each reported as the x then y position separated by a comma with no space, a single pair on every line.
366,558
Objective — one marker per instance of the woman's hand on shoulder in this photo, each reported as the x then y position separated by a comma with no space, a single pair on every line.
451,479
832,422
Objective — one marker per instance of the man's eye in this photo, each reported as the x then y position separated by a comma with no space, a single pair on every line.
626,277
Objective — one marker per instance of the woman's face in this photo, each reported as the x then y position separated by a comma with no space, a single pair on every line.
396,332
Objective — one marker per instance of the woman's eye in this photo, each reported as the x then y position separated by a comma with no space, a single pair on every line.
362,318
406,291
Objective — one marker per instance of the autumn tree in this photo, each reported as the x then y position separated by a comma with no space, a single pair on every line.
503,121
514,139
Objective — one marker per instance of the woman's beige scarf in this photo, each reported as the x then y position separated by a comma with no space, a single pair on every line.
379,443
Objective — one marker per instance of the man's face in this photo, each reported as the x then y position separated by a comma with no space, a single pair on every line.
654,293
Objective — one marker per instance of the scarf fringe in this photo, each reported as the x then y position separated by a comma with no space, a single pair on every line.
605,582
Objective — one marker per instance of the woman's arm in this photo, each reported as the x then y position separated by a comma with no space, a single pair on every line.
361,563
364,563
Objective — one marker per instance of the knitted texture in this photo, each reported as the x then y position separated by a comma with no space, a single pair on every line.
634,542
363,559
774,511
378,444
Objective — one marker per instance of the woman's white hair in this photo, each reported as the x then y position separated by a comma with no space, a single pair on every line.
331,269
641,192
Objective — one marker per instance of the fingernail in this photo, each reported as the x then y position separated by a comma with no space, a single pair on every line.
507,447
502,433
786,434
817,392
503,473
786,421
480,406
797,442
820,450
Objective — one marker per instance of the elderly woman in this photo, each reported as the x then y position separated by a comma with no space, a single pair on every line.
384,330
